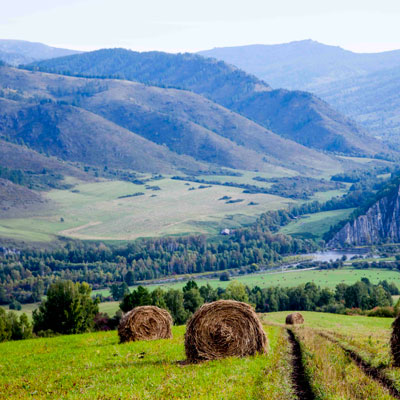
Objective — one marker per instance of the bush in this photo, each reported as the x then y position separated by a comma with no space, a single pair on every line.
224,277
387,312
14,328
15,305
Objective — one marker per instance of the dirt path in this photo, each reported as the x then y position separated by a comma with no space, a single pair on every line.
300,383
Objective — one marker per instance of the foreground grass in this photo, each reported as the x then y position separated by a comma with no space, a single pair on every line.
332,374
368,337
94,365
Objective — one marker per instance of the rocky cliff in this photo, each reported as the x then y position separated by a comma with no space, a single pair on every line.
381,223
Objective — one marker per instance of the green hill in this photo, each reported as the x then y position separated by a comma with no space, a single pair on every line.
295,115
94,365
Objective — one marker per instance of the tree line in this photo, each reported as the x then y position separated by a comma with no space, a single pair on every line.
70,309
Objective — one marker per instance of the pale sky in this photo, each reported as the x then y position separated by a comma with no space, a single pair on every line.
192,25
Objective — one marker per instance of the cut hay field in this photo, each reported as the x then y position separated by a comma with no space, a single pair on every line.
96,211
94,365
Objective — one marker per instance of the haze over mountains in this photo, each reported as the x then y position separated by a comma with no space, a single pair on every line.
16,52
363,86
169,113
295,115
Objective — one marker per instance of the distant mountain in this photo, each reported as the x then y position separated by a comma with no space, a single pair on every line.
129,125
305,64
295,115
364,87
16,52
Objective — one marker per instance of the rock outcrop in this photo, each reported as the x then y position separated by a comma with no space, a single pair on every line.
381,223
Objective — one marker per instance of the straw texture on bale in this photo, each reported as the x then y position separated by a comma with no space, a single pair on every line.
224,328
294,319
145,323
395,342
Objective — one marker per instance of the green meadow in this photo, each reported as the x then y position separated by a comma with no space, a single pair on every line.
99,211
96,366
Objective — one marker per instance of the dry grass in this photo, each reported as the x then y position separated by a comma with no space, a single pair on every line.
145,323
295,319
222,329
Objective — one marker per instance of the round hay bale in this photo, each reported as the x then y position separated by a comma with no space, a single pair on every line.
294,319
145,323
395,342
224,328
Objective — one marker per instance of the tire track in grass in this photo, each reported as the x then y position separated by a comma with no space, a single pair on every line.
300,382
368,369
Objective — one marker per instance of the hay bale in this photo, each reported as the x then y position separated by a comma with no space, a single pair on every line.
395,342
224,328
145,323
294,319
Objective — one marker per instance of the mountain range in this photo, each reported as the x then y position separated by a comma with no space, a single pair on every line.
365,87
294,115
123,124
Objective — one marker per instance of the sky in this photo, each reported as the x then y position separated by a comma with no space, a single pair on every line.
193,25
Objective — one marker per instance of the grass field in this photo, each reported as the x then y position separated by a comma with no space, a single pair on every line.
95,211
323,278
94,365
315,225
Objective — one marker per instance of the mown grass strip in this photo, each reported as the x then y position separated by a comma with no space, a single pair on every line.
380,375
332,373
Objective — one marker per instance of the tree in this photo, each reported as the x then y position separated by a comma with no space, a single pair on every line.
158,298
119,291
236,291
139,297
174,301
224,277
130,278
189,286
208,293
67,309
192,300
14,328
37,290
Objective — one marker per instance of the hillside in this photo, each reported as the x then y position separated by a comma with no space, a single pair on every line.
361,86
295,115
94,365
16,52
173,128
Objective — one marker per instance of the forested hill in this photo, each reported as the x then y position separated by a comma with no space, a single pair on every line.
295,115
122,124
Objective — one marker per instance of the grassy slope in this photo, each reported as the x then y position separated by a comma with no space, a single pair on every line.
97,213
315,225
95,366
